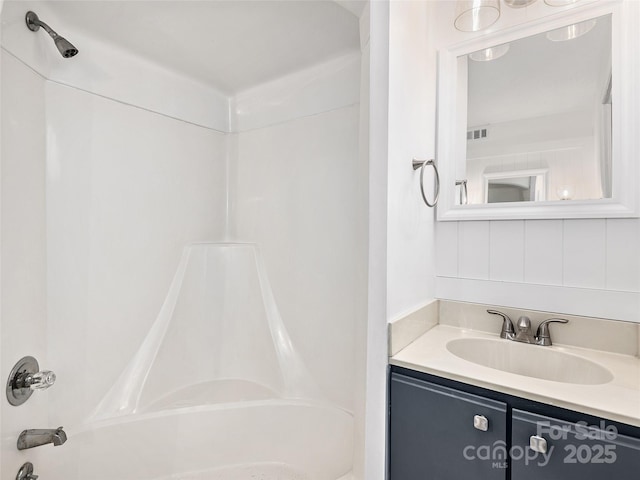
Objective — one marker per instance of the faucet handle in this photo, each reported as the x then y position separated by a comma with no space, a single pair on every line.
507,325
25,377
40,380
26,472
543,335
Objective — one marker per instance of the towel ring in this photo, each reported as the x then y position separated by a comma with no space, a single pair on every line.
420,164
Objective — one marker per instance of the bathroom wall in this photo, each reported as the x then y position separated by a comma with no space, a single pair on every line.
401,112
294,188
121,202
99,195
410,228
23,271
588,267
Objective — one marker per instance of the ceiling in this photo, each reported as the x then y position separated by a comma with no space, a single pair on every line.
231,45
538,77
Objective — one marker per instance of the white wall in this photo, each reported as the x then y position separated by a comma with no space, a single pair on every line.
401,244
412,82
99,195
584,267
295,193
372,431
125,190
122,201
23,250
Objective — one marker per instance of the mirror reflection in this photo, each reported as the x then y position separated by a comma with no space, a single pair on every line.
539,117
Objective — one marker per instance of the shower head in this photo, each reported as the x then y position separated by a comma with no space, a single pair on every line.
67,50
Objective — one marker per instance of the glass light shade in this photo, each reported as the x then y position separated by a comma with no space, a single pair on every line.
565,192
560,3
571,31
518,3
475,15
489,54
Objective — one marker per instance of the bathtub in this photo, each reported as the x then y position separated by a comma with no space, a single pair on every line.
217,390
271,439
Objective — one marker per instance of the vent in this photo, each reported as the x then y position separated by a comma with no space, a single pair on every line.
479,133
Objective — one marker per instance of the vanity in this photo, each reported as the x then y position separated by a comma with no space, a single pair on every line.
467,404
538,204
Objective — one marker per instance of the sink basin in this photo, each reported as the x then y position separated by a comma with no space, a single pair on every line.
529,360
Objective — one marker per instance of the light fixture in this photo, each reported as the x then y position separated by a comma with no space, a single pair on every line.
571,31
475,15
565,192
518,3
560,3
490,53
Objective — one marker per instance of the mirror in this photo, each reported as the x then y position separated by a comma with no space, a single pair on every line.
537,121
515,186
541,102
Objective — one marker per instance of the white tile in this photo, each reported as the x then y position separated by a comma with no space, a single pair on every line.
623,258
584,252
543,251
506,251
473,254
447,249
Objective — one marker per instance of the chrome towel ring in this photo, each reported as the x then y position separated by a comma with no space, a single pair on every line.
420,164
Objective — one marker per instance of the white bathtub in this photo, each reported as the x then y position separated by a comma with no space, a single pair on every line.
216,391
253,440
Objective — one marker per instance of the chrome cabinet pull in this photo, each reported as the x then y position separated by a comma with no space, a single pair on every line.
537,444
420,164
481,423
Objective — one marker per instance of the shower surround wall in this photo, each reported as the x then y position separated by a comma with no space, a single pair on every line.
111,164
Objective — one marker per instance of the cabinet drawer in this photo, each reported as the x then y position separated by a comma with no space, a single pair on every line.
432,435
574,450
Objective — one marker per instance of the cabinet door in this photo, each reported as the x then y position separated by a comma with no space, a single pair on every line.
432,434
574,450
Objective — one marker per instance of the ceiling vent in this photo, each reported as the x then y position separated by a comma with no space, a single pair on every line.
478,133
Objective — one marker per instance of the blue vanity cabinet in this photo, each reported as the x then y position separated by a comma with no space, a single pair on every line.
574,451
438,433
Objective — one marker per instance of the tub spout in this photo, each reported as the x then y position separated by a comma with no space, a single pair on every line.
36,437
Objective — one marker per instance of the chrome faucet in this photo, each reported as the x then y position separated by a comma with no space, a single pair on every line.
36,437
522,331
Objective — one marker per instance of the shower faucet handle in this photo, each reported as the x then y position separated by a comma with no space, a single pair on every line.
25,377
41,380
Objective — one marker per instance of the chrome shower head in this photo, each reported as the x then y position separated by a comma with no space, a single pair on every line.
67,50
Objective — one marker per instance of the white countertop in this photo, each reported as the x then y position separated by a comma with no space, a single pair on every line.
617,400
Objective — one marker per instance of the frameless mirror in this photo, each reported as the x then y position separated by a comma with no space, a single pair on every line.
536,121
540,103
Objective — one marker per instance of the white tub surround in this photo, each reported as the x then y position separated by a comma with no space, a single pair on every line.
112,162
